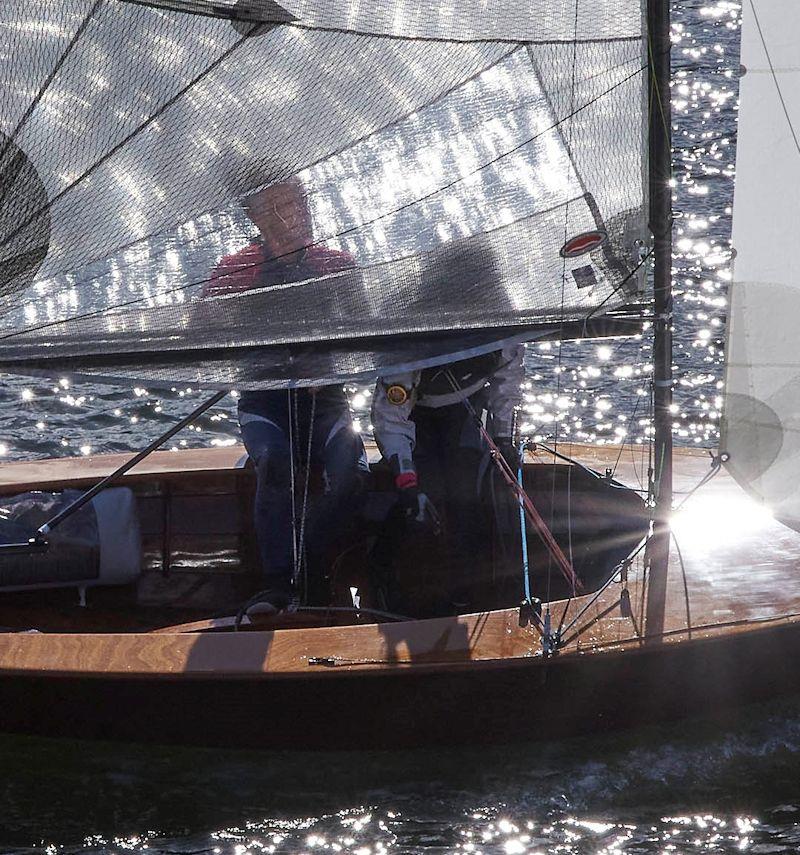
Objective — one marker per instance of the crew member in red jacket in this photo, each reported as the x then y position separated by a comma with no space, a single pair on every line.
285,253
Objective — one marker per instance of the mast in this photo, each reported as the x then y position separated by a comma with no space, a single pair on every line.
660,160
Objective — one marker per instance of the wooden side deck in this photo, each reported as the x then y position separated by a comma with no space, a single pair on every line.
16,477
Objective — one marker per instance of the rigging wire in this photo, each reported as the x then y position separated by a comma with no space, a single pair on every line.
56,520
510,478
303,557
612,578
623,444
526,575
615,290
499,525
650,490
662,220
716,465
559,364
292,421
685,584
651,56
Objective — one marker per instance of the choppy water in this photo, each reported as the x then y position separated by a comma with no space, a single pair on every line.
695,788
660,790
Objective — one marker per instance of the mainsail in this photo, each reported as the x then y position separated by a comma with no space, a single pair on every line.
450,150
761,424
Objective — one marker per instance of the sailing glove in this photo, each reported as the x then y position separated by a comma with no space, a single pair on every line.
418,509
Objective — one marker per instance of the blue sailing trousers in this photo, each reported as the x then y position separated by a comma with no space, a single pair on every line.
336,449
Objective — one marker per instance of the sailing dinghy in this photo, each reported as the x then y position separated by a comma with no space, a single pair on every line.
494,176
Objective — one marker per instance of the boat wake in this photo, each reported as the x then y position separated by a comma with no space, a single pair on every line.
731,784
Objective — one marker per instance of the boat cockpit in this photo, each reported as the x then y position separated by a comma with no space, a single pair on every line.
173,546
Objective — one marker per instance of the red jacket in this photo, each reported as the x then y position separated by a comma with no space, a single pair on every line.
251,268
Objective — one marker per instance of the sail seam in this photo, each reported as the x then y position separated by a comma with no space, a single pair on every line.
775,77
339,151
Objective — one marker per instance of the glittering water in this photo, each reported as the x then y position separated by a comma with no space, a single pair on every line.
698,788
727,788
583,391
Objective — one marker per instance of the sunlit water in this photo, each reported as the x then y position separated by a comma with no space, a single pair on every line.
723,788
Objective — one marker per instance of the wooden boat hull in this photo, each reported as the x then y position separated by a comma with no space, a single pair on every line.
732,636
476,702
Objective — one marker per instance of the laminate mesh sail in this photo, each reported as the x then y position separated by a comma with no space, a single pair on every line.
443,155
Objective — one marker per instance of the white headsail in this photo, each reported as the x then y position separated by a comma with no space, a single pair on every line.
761,425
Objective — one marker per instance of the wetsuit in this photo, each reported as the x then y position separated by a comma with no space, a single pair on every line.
264,419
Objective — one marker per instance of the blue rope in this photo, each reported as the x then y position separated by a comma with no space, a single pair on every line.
522,526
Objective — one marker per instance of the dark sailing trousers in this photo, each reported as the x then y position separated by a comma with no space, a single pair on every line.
335,448
451,458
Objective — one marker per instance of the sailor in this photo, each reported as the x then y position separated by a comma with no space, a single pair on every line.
276,424
427,426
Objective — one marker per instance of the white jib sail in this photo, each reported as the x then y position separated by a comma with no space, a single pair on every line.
761,419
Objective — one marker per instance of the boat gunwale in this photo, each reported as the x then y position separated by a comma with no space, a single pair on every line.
61,472
701,637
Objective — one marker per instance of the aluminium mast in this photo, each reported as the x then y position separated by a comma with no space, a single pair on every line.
660,174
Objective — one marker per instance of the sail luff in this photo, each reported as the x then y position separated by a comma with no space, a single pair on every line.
760,427
660,148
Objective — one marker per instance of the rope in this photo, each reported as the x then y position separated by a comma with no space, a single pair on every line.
559,366
526,576
685,584
534,517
